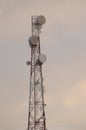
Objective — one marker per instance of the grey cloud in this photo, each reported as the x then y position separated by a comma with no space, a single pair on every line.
67,103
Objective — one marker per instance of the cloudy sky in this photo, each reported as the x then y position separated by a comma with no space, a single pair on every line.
63,40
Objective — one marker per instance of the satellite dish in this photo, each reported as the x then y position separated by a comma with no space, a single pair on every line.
28,63
41,59
33,41
41,20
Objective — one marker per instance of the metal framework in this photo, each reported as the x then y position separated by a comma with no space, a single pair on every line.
36,115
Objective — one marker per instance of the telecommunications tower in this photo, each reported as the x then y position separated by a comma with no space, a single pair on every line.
36,115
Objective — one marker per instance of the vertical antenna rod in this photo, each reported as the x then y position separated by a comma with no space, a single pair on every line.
36,115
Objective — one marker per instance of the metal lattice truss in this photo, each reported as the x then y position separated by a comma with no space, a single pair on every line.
36,117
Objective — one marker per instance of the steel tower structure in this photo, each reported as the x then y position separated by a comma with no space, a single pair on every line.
36,115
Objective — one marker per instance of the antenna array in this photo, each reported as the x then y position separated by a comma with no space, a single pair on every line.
36,115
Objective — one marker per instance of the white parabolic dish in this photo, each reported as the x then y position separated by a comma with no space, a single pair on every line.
42,58
41,20
33,40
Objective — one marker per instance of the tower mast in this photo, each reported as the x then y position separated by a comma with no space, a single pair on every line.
36,115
